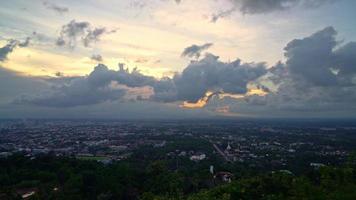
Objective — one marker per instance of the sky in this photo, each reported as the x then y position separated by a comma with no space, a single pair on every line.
159,59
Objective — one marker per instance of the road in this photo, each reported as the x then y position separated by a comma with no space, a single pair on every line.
221,153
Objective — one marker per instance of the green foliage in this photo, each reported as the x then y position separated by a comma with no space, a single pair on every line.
73,179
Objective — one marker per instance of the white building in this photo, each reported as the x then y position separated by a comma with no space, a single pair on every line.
198,157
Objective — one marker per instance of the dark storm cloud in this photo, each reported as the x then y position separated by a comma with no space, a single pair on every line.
14,84
194,51
103,84
100,86
103,76
10,46
78,93
73,31
209,74
312,58
345,58
165,90
58,9
319,75
321,60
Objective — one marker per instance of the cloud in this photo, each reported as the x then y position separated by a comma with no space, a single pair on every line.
58,9
312,58
209,75
59,74
97,57
320,60
78,93
194,51
93,36
319,76
99,86
103,84
7,49
252,7
263,6
345,58
73,31
142,60
14,84
10,46
222,14
33,102
25,43
103,76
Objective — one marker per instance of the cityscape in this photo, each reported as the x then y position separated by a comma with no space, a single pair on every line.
219,151
268,146
177,100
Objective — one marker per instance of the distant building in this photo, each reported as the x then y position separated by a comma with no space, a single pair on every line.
198,157
228,148
317,165
211,169
5,154
223,177
26,193
160,144
183,153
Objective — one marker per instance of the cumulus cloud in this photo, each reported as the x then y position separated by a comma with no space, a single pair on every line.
345,58
312,58
318,76
99,86
75,31
103,76
56,8
209,74
194,51
103,84
320,60
10,46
